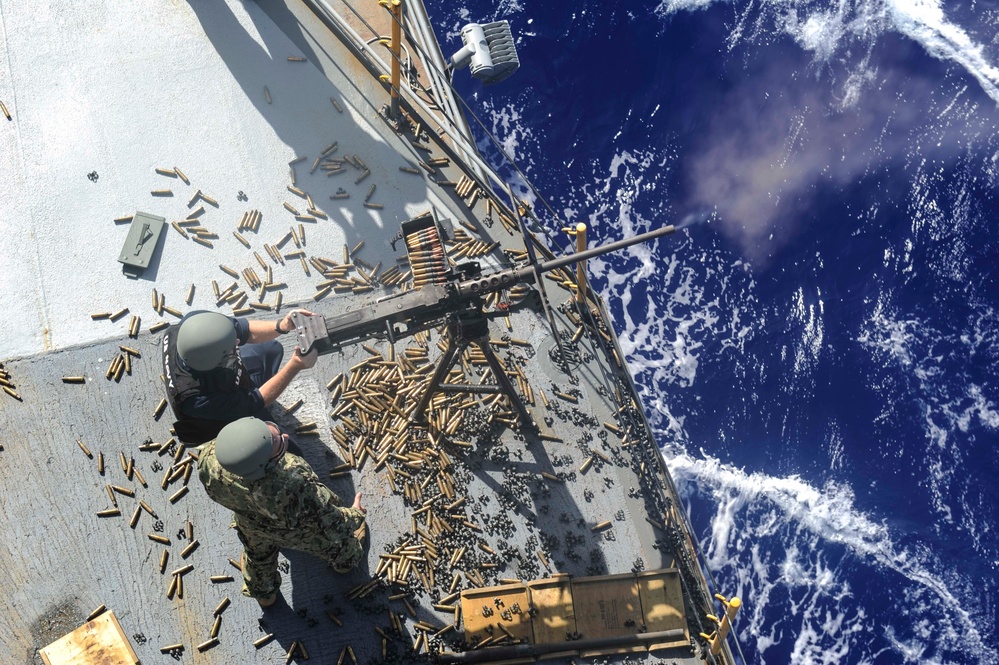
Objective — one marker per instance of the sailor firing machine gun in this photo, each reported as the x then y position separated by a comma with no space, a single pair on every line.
452,295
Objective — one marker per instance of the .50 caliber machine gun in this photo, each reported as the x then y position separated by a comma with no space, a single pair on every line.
445,294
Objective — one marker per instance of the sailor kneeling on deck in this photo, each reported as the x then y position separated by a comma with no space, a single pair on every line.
219,369
277,501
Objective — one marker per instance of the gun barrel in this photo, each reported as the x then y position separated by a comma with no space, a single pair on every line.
554,264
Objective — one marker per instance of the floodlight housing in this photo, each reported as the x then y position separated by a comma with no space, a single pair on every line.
489,51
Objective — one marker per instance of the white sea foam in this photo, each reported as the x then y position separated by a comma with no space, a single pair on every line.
825,29
752,507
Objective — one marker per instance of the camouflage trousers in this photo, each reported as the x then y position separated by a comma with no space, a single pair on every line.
342,548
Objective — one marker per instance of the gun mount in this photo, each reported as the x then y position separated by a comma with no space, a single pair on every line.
444,294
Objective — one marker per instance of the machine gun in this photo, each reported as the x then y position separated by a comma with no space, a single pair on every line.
452,295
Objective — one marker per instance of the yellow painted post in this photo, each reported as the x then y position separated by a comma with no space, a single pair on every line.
396,55
731,609
581,266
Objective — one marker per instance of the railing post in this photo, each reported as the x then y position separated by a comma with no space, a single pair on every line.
580,233
725,625
396,8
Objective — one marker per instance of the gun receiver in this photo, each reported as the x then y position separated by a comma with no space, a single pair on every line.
424,308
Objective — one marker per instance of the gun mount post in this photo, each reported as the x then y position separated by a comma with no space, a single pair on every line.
464,329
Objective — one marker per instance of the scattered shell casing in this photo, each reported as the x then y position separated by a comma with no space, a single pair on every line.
221,606
267,95
145,507
83,447
261,641
110,512
176,496
186,552
172,647
96,613
205,646
74,379
172,589
155,537
216,625
219,579
159,409
184,570
135,517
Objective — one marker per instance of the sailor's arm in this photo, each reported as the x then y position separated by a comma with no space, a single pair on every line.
275,385
264,331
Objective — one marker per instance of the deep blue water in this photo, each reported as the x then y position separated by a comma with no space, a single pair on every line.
820,357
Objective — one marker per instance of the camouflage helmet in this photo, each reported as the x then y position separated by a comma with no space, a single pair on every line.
204,339
243,447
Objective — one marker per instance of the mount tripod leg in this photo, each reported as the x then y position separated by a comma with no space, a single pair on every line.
456,345
504,380
451,355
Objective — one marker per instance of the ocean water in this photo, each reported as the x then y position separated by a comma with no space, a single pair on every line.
819,352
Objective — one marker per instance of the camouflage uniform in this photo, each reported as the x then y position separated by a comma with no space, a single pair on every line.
288,507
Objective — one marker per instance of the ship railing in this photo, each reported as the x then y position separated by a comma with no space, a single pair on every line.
451,119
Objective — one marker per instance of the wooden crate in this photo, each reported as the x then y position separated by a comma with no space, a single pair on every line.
554,614
607,606
485,617
97,642
662,605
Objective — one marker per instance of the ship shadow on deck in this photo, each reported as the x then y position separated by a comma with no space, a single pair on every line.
302,115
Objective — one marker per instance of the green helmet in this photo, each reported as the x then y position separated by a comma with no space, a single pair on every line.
204,339
243,447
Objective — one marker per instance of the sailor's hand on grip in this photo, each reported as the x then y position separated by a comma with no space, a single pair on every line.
305,360
288,322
